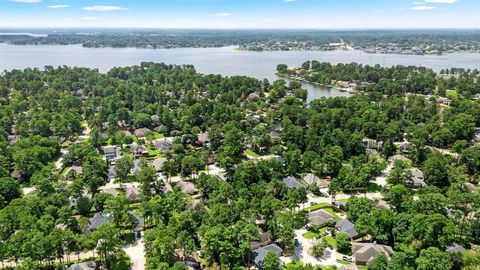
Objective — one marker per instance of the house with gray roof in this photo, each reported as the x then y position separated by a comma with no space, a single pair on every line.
292,183
259,254
162,145
111,152
96,221
319,217
455,248
203,139
347,227
137,167
310,179
417,180
158,163
90,265
138,150
365,252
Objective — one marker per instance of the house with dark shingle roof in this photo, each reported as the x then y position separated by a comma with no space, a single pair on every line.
138,150
347,227
417,180
292,183
137,167
96,221
90,265
259,254
141,132
365,252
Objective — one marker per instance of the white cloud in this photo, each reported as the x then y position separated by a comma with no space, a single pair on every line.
419,3
224,14
423,8
89,18
378,11
289,1
442,1
26,1
59,6
104,8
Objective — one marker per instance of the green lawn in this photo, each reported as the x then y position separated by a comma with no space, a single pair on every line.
309,235
251,153
316,207
450,93
331,241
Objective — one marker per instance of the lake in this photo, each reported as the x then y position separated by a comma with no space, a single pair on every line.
226,61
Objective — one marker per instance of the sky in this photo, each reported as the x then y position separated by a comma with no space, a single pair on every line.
249,14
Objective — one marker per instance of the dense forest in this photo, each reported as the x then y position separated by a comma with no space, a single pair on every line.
404,42
56,125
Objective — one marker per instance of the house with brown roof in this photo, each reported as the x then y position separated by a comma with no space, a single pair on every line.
13,139
203,139
133,193
141,133
187,187
162,145
158,163
417,180
111,152
138,150
365,252
310,179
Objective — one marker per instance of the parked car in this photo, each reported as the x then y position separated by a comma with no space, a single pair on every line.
313,203
296,243
339,205
346,258
138,235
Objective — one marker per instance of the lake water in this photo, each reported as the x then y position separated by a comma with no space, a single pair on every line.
226,61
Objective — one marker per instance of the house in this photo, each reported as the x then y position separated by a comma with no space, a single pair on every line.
13,139
111,152
417,180
476,96
454,249
78,170
187,187
141,133
406,147
369,144
96,221
16,174
274,134
252,97
263,241
203,139
137,167
139,150
112,173
160,128
90,265
158,163
292,183
347,227
123,125
365,252
311,179
162,145
133,193
394,158
104,125
139,221
259,254
443,101
319,217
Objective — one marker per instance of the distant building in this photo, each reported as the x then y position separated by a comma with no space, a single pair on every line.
405,147
203,139
397,157
417,180
162,145
137,167
365,252
141,133
133,193
187,187
292,183
455,248
139,150
111,152
158,163
13,139
259,254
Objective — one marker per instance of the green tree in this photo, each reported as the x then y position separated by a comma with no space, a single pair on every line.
433,259
271,261
123,167
343,243
380,262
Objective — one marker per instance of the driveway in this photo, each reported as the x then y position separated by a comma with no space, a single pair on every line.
301,252
136,252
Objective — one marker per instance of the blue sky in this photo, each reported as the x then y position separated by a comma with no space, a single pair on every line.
315,14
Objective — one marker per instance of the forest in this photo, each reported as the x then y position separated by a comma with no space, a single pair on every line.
57,123
380,41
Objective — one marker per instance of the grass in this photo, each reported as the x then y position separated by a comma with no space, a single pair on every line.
343,262
316,207
309,235
452,94
251,153
331,241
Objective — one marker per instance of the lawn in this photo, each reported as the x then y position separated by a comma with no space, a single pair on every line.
316,207
331,241
251,153
452,94
309,235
